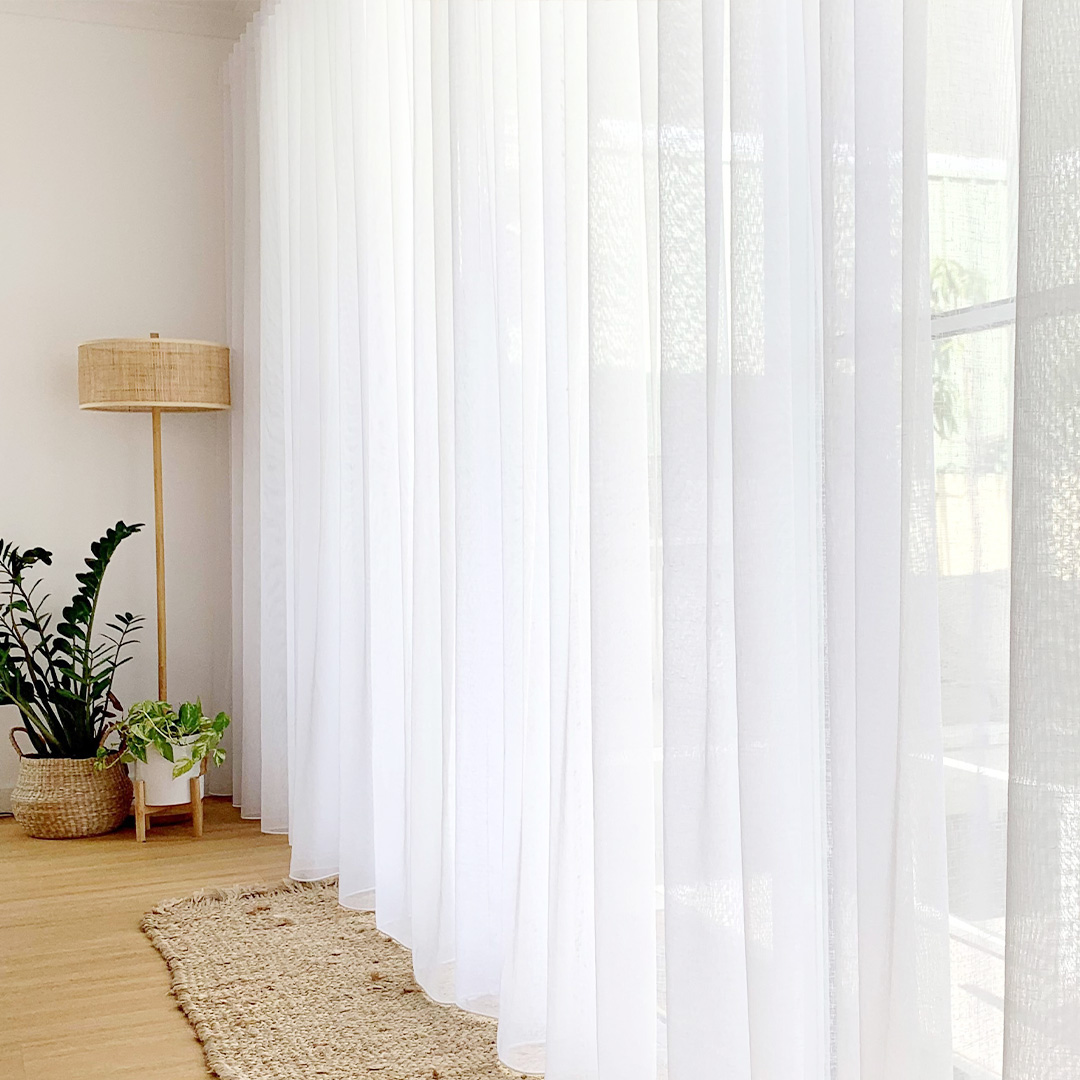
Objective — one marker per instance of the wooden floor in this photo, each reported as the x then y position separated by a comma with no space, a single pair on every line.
83,995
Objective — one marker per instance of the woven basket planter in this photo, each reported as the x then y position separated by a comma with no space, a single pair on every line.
63,798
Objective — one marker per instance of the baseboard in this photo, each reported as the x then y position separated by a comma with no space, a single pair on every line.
5,800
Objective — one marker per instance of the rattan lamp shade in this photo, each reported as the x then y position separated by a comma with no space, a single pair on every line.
143,374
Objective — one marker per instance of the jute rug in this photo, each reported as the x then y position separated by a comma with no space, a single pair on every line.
280,982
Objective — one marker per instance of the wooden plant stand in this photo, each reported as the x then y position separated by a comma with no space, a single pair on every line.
143,812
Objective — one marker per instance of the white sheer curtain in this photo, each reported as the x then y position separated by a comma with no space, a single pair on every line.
586,571
1042,955
424,675
805,844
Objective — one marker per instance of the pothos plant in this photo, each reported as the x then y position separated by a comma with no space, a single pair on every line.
184,736
61,678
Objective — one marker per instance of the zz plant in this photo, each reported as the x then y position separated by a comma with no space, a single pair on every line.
61,679
184,736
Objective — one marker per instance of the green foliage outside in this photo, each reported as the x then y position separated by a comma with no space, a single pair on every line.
952,286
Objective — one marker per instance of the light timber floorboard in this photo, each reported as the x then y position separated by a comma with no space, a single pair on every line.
83,994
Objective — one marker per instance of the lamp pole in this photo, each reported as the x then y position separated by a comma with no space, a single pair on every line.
159,550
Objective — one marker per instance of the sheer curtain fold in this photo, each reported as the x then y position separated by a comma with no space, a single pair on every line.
622,631
1042,953
706,963
799,607
586,575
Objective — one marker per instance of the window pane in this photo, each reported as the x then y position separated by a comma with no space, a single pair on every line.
973,380
971,142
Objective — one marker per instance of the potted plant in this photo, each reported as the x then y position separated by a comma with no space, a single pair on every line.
165,744
61,681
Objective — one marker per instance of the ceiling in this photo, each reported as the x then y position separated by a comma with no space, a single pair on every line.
205,18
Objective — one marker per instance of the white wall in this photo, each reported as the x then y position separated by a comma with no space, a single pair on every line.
112,224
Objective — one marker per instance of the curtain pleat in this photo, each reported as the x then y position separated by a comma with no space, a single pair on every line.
1042,949
706,961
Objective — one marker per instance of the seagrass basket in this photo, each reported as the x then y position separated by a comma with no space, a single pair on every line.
63,798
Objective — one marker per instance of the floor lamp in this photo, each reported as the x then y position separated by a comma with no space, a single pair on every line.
154,375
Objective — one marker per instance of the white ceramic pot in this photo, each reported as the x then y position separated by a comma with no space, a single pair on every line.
162,788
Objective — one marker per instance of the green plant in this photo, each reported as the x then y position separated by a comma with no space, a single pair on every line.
155,724
61,680
952,286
